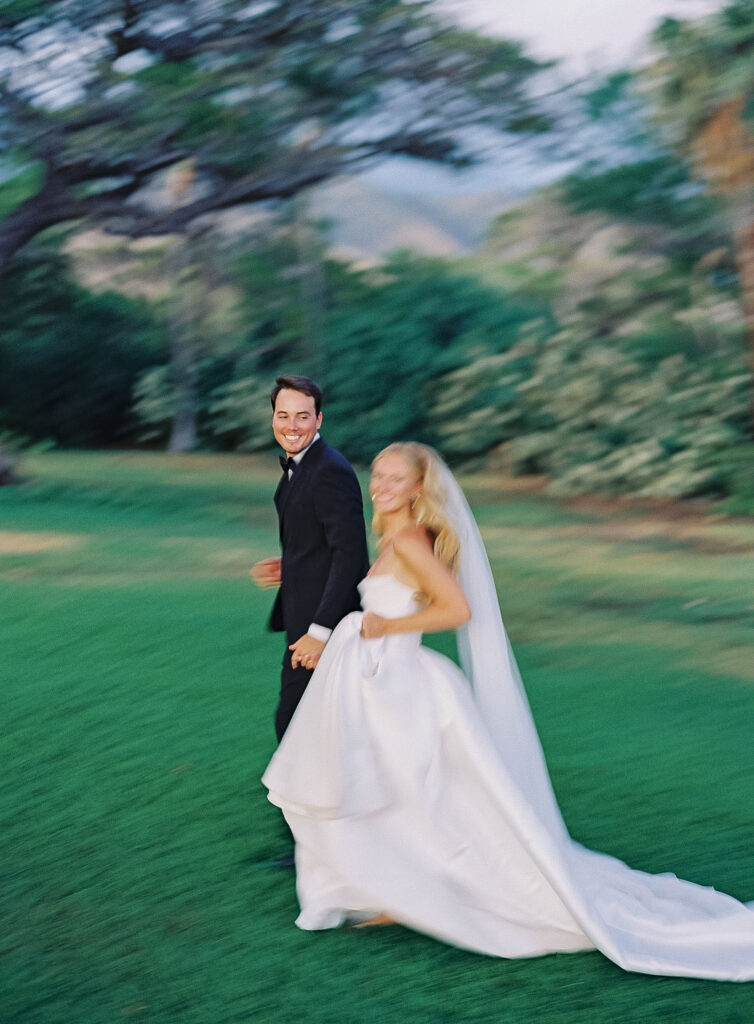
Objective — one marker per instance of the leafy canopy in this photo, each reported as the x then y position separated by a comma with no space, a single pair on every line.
146,115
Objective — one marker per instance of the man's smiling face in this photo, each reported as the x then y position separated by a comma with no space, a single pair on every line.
295,420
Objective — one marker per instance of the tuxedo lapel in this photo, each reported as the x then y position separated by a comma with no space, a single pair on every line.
298,480
279,492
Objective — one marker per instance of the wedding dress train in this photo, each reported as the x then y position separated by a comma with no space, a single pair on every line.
421,792
400,804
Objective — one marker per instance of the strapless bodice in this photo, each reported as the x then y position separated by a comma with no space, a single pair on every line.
385,595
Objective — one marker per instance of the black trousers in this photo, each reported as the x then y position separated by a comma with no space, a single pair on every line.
293,682
292,685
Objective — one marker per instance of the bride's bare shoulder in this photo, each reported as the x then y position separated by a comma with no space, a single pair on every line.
413,539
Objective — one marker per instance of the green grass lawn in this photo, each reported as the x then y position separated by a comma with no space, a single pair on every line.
138,692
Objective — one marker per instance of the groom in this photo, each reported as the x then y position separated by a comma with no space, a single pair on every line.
322,536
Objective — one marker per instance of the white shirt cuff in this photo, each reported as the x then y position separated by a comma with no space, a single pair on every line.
321,633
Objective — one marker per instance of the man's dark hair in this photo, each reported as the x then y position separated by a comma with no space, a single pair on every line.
295,383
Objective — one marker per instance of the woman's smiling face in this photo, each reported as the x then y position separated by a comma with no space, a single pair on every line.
393,485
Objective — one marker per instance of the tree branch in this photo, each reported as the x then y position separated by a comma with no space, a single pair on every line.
275,184
50,206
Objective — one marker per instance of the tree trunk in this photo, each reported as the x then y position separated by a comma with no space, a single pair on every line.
744,239
724,151
50,206
183,430
183,433
183,352
311,289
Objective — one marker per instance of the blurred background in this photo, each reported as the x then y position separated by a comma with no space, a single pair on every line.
521,233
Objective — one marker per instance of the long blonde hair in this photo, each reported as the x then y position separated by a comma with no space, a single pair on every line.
429,508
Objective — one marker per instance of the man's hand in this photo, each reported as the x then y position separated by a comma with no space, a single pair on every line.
266,573
373,626
306,652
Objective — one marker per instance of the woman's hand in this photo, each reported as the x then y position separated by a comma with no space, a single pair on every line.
373,626
306,652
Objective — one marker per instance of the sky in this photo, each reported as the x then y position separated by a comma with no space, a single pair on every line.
585,36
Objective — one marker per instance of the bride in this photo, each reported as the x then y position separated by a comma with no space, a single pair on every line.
419,794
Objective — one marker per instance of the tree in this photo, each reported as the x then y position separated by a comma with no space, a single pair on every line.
69,359
703,82
389,340
105,97
110,102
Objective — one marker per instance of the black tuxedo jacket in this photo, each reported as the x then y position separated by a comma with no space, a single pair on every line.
323,541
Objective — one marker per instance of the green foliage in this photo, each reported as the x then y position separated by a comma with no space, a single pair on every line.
657,190
613,90
607,423
647,389
154,404
644,392
735,467
231,135
477,406
261,101
388,354
385,344
68,359
600,342
595,417
240,413
14,11
702,65
269,276
584,349
23,185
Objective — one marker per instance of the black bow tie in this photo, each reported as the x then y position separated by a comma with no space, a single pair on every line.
286,464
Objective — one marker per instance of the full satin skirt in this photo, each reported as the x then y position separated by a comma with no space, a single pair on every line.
400,804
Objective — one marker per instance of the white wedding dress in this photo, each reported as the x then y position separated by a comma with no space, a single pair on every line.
414,793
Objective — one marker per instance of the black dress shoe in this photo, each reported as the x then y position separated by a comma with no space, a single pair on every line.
285,860
288,860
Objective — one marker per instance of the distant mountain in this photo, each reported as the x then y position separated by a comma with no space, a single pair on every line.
365,224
